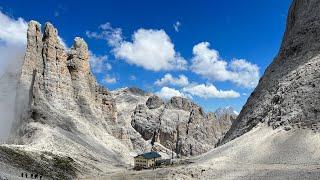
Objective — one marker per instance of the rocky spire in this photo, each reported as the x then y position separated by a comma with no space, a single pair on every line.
288,93
60,102
51,75
32,60
78,59
33,51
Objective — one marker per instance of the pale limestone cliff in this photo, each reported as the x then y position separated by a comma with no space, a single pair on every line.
62,111
179,125
287,95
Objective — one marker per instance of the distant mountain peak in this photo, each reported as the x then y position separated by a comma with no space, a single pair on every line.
228,110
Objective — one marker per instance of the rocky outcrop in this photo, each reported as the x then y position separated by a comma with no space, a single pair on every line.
154,102
225,118
287,95
60,80
126,101
179,125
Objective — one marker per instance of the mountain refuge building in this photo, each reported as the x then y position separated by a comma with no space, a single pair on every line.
146,160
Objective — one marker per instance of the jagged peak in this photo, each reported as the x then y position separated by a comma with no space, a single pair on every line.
33,33
79,43
179,98
34,23
228,110
211,115
50,32
154,102
81,48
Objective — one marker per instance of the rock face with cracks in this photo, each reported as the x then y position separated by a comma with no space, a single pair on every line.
62,110
287,95
179,125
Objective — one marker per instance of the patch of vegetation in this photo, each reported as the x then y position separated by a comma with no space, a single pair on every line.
65,164
45,163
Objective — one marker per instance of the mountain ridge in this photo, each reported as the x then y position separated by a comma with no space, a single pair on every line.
64,116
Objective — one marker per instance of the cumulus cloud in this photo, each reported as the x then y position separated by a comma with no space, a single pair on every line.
244,73
99,64
13,39
109,79
150,48
12,31
112,35
207,62
209,91
176,26
205,91
191,89
168,79
166,93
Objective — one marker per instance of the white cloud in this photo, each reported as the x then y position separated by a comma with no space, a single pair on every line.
151,49
13,39
166,93
56,14
207,62
209,91
60,10
109,79
13,31
12,47
236,112
99,64
191,89
176,26
168,79
132,78
112,35
245,73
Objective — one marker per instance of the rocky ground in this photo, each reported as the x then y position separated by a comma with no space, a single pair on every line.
262,153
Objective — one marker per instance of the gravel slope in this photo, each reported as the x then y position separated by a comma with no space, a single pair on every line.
262,153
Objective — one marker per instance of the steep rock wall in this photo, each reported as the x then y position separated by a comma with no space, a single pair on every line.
288,93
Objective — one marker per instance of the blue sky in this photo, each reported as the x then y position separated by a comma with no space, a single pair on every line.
245,34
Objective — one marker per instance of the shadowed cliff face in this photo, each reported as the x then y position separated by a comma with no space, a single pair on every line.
288,93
